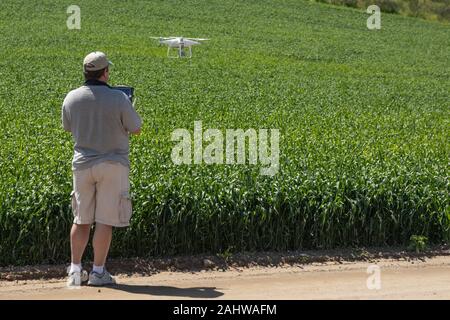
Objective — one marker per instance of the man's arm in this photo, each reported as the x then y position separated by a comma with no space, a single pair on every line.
65,119
131,121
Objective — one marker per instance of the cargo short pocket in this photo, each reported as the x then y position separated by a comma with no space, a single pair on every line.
125,208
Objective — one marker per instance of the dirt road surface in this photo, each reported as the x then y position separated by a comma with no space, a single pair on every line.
414,279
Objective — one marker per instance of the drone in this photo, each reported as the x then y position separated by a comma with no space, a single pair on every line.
180,43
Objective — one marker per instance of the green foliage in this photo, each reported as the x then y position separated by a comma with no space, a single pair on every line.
426,9
227,254
363,116
418,243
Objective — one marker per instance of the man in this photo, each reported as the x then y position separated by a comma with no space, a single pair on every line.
100,119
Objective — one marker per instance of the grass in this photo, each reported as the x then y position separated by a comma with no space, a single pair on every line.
363,117
434,10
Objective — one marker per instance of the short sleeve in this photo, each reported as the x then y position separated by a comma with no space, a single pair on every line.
65,119
130,119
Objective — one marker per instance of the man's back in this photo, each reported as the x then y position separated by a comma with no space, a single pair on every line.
100,119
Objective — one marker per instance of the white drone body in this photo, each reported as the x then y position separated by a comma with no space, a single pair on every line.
180,44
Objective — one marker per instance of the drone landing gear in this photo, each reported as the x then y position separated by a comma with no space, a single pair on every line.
179,52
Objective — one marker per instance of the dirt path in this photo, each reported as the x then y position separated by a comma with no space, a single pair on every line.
416,279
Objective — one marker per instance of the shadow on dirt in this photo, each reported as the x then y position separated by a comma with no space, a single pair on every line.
198,292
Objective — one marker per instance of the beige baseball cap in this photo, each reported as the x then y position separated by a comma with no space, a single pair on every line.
96,60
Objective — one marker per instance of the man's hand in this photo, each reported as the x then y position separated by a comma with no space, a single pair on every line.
137,132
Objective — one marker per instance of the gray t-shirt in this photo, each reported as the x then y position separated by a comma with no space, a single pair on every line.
100,119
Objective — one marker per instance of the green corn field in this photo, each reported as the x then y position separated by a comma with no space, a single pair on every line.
364,120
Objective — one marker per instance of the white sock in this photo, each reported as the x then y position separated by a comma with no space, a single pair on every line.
75,267
98,269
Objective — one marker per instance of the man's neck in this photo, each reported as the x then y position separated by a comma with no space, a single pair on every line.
95,82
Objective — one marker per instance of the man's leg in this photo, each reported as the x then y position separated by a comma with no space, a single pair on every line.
111,188
112,182
83,206
79,237
101,243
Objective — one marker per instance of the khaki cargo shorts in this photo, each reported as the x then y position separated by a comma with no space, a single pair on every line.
102,194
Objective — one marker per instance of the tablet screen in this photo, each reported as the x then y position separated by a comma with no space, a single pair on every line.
129,91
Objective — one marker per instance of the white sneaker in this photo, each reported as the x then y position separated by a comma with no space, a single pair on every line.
96,279
76,278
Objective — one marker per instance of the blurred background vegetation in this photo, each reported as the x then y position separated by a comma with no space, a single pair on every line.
437,10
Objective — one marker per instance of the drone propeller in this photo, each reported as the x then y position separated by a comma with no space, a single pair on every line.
168,38
161,39
197,39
